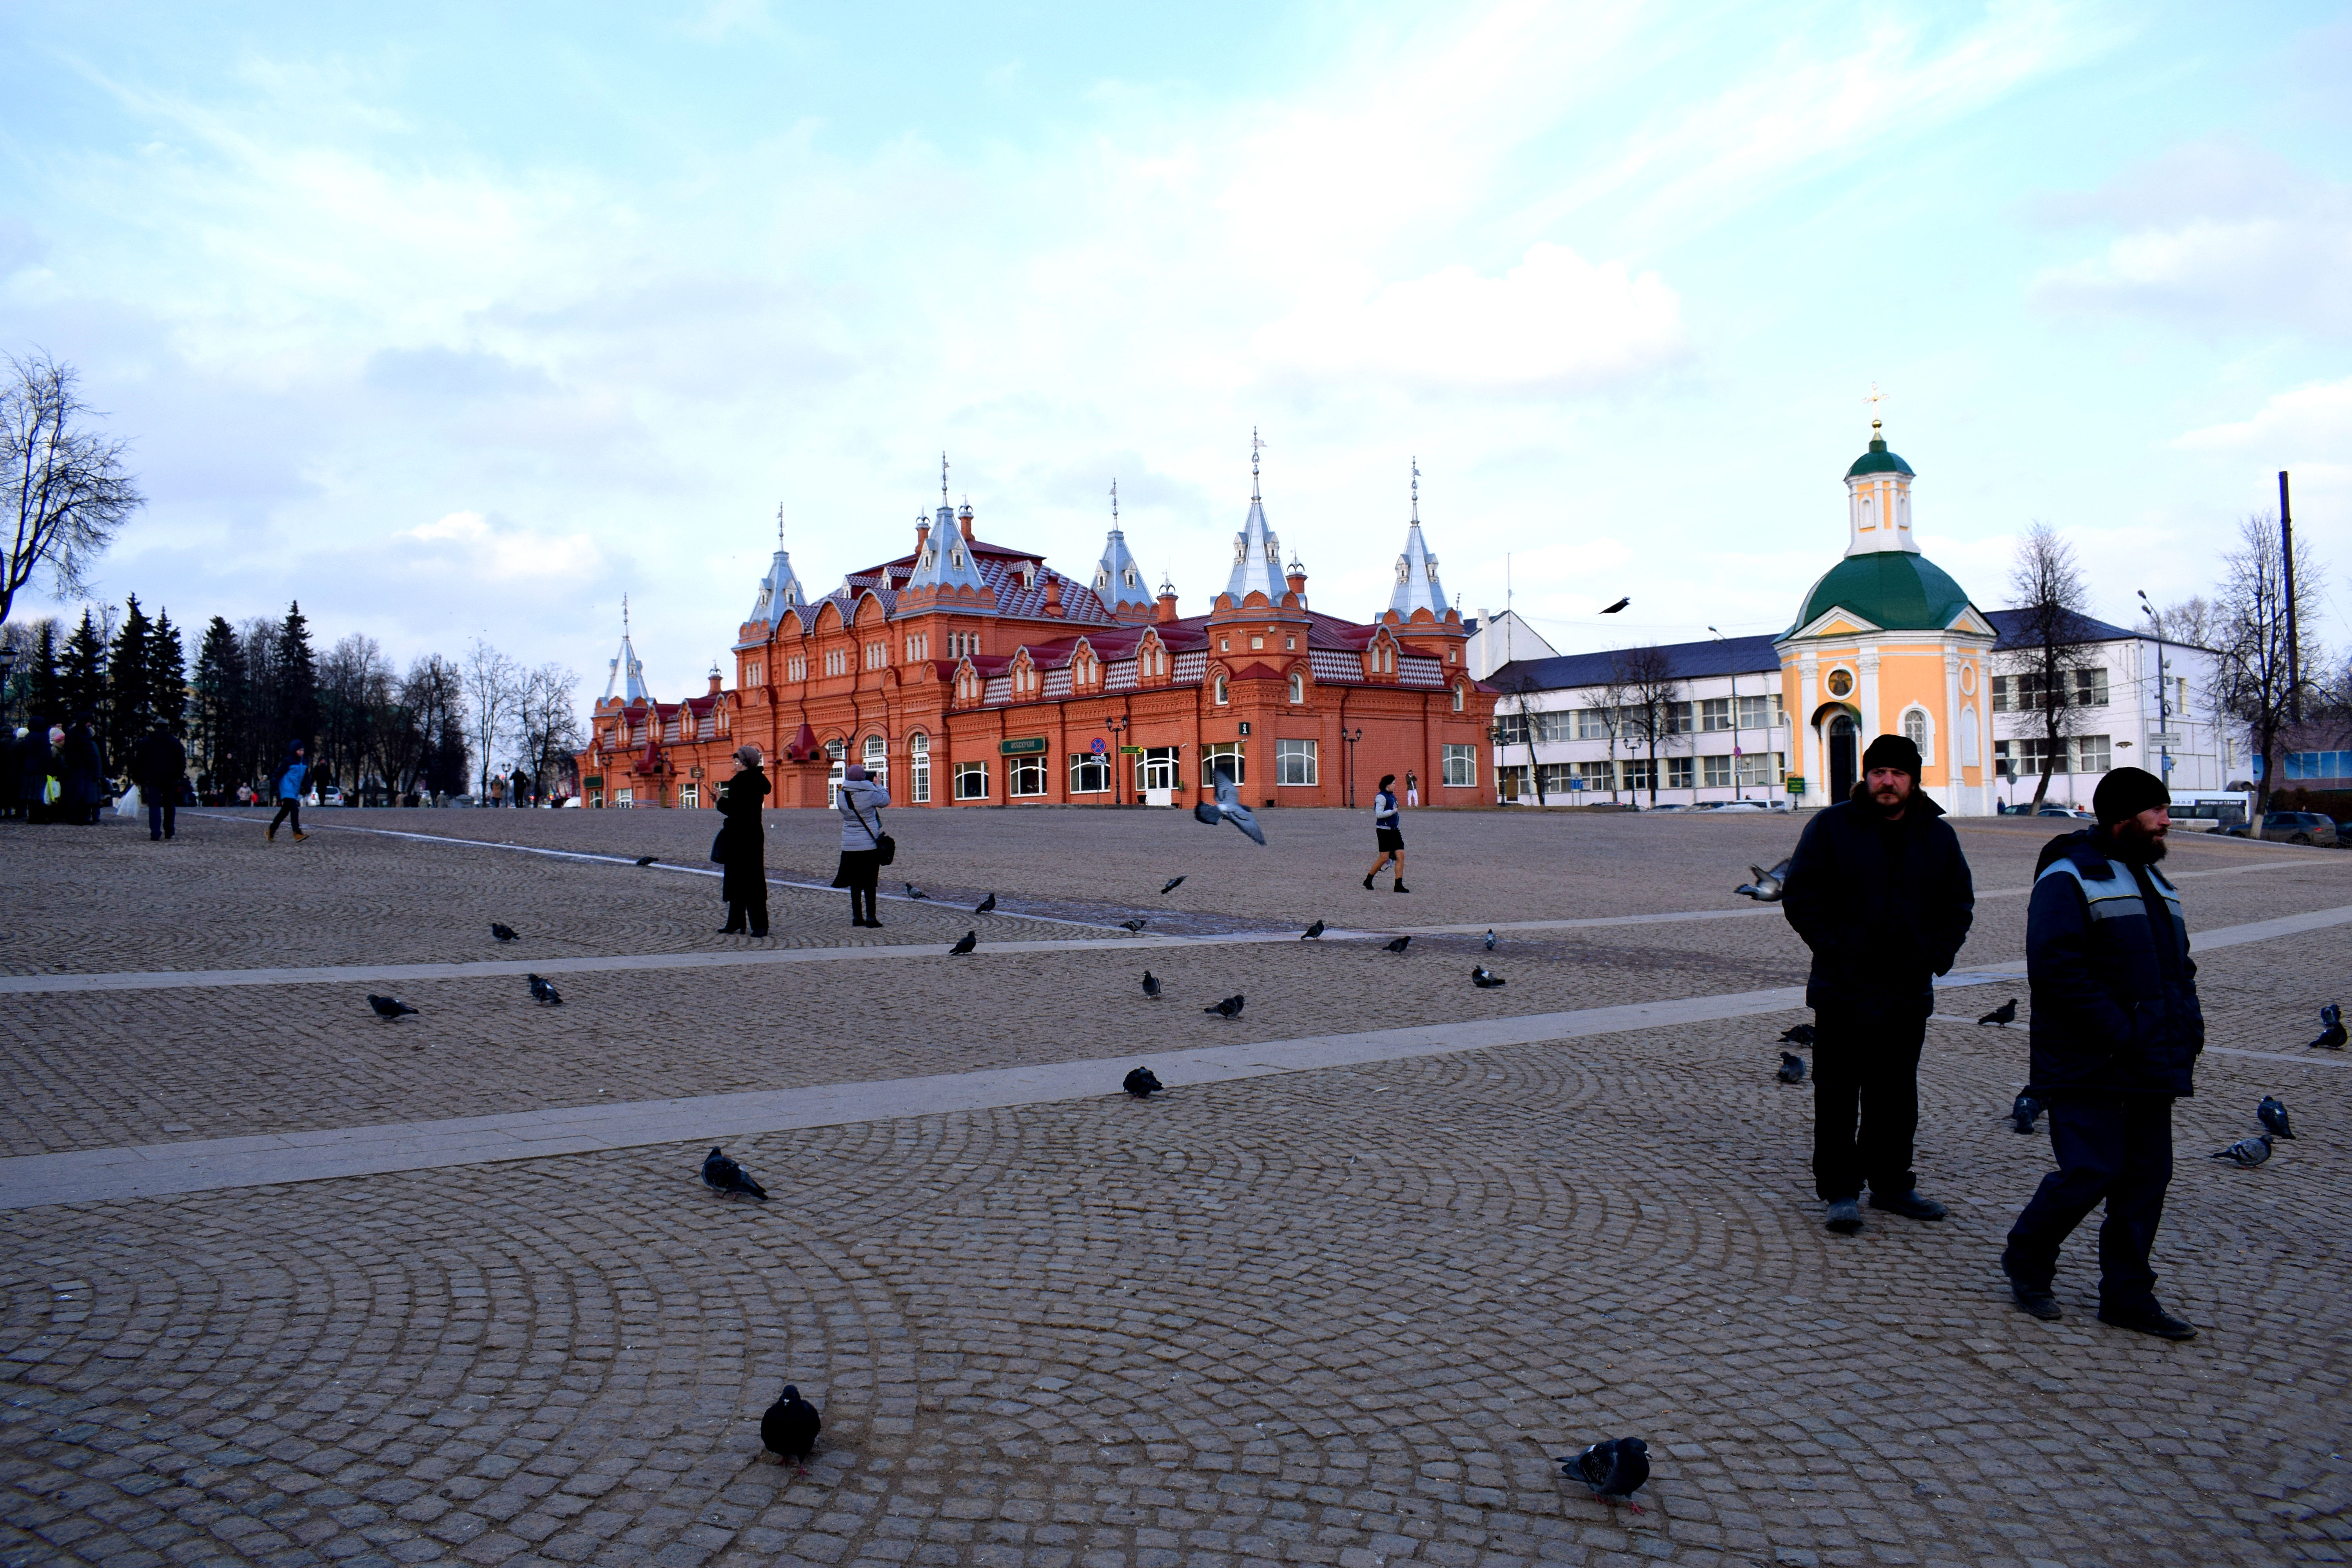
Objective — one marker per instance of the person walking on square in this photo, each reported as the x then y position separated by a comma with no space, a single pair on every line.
290,779
2116,1032
861,801
1391,837
1411,790
741,846
1879,891
159,766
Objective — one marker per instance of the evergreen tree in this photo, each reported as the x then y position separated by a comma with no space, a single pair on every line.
81,672
43,689
167,674
295,688
128,689
223,703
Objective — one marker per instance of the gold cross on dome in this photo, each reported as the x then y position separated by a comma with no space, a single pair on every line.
1875,399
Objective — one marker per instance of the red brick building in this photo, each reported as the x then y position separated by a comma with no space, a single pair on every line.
968,673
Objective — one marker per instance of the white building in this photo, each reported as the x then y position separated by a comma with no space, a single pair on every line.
2123,716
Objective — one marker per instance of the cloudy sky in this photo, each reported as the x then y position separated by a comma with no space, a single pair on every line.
468,323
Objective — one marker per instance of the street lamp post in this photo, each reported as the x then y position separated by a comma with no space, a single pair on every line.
2163,703
1734,675
1350,737
1117,727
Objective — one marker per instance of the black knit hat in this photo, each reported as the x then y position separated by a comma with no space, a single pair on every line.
1893,751
2125,793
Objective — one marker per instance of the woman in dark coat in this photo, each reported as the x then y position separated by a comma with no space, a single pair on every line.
80,770
741,846
33,765
861,801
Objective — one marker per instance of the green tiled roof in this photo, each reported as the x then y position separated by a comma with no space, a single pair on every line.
1878,460
1894,589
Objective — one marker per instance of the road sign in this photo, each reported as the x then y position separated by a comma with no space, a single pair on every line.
1098,748
2167,738
1130,750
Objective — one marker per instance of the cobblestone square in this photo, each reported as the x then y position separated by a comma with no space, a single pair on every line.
1333,1314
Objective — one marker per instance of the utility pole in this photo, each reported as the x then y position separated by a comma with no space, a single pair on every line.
2293,651
2163,703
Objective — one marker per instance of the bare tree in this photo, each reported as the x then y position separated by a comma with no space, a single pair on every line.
1616,687
1652,694
2250,617
2189,621
2049,652
431,749
549,721
494,690
67,485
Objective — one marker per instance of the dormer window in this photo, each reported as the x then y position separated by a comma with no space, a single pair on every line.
1298,686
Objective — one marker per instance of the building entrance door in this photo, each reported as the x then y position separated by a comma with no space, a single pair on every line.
1843,733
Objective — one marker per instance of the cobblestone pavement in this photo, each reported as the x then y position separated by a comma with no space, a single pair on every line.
1337,1317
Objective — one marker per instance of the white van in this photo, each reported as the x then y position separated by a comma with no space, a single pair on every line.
2210,810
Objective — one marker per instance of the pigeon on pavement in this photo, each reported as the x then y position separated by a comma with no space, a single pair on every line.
2005,1015
647,859
1797,1034
1142,1083
1151,986
388,1007
1615,1470
2247,1153
1173,883
1767,887
1490,939
2271,1113
2332,1037
971,939
1133,928
2024,1112
544,994
1792,1067
722,1174
503,932
1231,1008
789,1429
1401,944
985,905
1228,807
1312,933
915,892
1485,979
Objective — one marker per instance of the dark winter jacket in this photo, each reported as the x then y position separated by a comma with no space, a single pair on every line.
79,768
159,766
2115,992
34,763
1880,931
742,843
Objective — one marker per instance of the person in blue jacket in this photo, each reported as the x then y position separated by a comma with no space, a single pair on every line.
291,777
2117,1033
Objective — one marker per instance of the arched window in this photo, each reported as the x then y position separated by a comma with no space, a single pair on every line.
877,758
918,764
1298,686
1919,729
1221,688
1458,697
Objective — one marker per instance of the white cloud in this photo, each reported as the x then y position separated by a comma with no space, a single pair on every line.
468,546
2313,423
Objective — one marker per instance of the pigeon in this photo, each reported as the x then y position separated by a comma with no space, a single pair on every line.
970,941
789,1429
1141,1083
1401,944
2005,1015
1231,1008
1792,1067
1768,886
1490,939
1151,986
647,859
1312,933
1797,1034
1618,605
1485,979
1615,1470
2246,1152
2331,1037
1133,928
985,905
1173,883
545,994
388,1007
915,892
2271,1113
2024,1112
504,933
722,1174
1228,807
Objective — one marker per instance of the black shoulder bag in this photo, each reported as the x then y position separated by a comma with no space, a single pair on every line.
885,848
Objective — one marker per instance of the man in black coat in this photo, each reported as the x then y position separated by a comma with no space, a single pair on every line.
159,766
741,848
1880,891
2117,1033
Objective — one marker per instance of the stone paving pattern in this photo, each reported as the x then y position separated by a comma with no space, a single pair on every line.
1338,1317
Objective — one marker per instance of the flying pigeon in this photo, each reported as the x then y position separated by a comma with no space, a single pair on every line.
1401,944
722,1174
1490,939
915,892
1228,807
1792,1067
789,1429
1231,1008
1133,927
1614,1470
1173,883
2247,1153
1768,886
1312,933
2331,1037
985,905
1485,979
1142,1083
1151,986
971,939
1797,1034
504,933
388,1007
1618,605
2024,1112
544,994
2271,1112
2005,1015
647,859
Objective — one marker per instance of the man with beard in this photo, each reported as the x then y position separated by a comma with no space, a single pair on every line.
2117,1033
1880,891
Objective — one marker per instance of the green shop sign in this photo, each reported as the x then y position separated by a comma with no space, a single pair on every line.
1020,746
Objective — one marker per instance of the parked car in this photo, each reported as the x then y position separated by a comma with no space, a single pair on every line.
2050,808
2295,827
331,797
1741,805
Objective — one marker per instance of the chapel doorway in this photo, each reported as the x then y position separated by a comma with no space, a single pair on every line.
1842,736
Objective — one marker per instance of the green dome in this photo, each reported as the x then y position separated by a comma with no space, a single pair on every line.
1893,589
1878,460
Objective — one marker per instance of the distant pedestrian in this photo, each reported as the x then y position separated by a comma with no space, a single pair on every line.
36,762
861,801
291,777
498,790
2117,1033
1880,891
1390,836
741,848
80,773
518,790
159,766
1413,789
